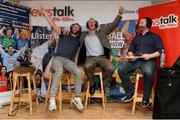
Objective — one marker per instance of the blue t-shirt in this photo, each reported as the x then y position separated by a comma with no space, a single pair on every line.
146,44
68,46
21,43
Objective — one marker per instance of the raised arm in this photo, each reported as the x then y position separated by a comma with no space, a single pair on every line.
50,21
107,29
1,30
22,50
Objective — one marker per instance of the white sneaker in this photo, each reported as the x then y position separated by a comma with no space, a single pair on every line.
52,104
78,104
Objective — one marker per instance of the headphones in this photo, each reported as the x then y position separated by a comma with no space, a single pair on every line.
148,22
80,29
96,24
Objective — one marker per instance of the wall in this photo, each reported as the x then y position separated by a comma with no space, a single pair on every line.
154,2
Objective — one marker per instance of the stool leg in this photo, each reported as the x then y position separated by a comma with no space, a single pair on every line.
87,94
69,86
20,90
60,97
152,97
34,84
48,91
13,93
102,90
135,94
29,90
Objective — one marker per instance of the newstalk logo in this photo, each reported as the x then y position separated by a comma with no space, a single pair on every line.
171,21
62,14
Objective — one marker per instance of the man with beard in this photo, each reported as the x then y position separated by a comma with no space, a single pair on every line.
143,52
67,47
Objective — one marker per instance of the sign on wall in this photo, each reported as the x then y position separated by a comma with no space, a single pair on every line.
65,13
14,16
166,23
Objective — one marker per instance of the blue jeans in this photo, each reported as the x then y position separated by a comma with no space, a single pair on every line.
147,67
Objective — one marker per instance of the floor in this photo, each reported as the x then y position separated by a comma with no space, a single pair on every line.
93,111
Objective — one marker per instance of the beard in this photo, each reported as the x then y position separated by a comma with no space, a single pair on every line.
77,33
141,28
74,32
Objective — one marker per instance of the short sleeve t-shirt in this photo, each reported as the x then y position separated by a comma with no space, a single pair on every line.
68,46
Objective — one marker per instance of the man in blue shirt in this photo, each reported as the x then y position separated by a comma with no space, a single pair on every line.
10,58
143,53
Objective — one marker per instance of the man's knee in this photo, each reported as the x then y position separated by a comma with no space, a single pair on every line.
88,66
121,70
77,72
110,69
148,72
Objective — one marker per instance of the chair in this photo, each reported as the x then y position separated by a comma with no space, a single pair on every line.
138,96
99,94
60,96
21,72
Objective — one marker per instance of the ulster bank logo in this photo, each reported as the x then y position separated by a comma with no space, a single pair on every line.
171,21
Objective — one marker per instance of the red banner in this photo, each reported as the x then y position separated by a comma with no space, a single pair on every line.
166,23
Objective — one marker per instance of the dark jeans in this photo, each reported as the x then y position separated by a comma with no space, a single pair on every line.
100,61
147,67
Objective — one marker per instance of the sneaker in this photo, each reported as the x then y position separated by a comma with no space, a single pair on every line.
145,103
127,98
52,104
77,103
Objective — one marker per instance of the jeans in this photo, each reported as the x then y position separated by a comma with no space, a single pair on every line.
147,67
58,64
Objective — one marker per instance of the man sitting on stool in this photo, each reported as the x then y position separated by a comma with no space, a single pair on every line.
147,46
96,48
67,47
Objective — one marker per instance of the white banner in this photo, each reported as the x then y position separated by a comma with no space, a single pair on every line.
68,12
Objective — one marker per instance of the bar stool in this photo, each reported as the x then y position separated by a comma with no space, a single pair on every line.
138,96
97,94
60,96
21,72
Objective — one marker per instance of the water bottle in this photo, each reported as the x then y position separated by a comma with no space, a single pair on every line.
162,59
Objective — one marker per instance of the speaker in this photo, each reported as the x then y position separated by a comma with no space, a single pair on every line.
167,94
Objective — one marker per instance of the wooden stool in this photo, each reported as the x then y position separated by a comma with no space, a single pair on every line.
60,96
97,94
138,97
27,72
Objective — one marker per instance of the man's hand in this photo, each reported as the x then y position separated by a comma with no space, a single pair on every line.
146,56
121,10
131,58
64,31
1,30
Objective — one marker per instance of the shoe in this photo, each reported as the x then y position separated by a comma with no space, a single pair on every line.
92,89
52,104
77,103
145,103
127,98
